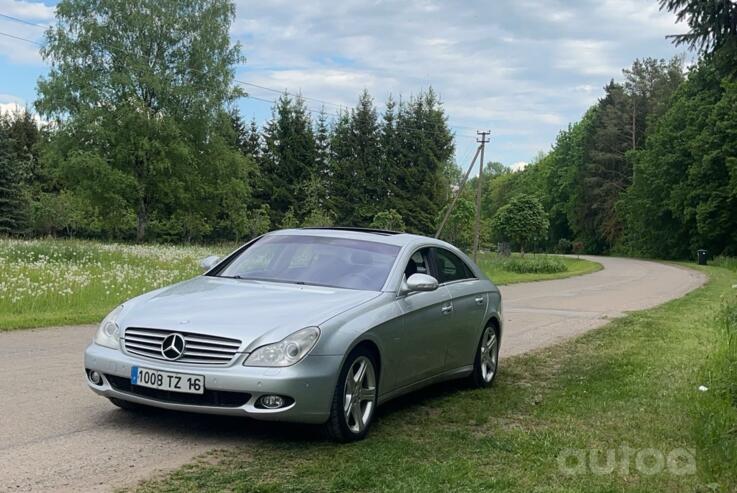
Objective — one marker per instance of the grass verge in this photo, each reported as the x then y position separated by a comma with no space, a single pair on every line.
499,270
630,388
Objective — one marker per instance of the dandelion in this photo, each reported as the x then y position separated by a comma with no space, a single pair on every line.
60,277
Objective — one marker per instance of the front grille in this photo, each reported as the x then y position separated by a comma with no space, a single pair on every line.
214,398
199,349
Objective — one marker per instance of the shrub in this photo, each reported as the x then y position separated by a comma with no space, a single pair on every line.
536,264
564,246
726,262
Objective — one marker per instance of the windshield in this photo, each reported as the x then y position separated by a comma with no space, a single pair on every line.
315,260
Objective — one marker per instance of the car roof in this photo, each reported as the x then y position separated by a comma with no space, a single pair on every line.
365,234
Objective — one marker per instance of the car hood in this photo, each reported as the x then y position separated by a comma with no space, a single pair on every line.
255,312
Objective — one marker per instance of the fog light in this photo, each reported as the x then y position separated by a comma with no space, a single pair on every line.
96,378
272,401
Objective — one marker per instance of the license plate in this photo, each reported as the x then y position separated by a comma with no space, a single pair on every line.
164,380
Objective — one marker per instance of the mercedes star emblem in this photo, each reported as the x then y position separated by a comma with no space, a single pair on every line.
172,348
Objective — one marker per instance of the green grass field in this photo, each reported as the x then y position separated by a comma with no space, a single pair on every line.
630,388
64,282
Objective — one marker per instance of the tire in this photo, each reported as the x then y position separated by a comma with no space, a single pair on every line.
486,363
127,405
350,421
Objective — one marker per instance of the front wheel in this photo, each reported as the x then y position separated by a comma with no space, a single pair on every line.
354,399
487,358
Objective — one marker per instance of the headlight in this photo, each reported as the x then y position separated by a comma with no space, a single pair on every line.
286,352
108,333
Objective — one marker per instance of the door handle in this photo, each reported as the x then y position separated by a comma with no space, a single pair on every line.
479,300
446,309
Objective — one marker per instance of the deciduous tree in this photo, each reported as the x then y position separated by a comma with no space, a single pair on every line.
522,221
139,92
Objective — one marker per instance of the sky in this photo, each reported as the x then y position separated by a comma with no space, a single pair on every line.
523,69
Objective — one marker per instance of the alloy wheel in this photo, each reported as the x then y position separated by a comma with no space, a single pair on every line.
489,354
359,396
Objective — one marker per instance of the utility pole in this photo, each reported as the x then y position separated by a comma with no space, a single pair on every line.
458,194
477,233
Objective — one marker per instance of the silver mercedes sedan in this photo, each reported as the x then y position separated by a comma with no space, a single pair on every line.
307,325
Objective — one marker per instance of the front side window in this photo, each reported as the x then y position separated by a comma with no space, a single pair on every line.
450,267
418,264
315,260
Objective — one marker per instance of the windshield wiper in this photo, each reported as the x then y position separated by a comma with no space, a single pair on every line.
266,279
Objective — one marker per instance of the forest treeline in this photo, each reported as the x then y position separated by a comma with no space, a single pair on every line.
142,142
359,168
651,168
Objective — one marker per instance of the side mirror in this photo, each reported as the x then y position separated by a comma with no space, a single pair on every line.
420,282
208,263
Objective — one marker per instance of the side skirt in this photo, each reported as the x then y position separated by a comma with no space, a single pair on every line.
453,374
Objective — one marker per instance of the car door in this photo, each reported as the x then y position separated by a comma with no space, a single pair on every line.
419,347
462,335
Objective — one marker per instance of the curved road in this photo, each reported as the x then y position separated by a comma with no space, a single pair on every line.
56,435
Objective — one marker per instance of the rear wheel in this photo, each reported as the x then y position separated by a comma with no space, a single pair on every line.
487,358
354,399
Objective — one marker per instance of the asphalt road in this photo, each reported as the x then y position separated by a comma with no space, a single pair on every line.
56,435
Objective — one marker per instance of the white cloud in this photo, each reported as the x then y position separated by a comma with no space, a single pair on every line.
518,166
18,50
6,108
10,98
587,57
10,104
524,68
31,11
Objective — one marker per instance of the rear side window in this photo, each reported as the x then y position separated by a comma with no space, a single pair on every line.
450,267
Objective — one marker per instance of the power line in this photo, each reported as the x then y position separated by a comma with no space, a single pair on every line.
23,21
242,82
287,92
421,130
274,101
341,106
20,39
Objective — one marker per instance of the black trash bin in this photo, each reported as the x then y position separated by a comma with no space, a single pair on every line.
702,256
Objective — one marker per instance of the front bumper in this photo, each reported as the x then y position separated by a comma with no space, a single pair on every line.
310,383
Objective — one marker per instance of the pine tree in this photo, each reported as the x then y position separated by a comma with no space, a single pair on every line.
253,144
607,172
713,23
240,131
390,152
322,145
426,145
12,203
289,158
649,84
357,188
